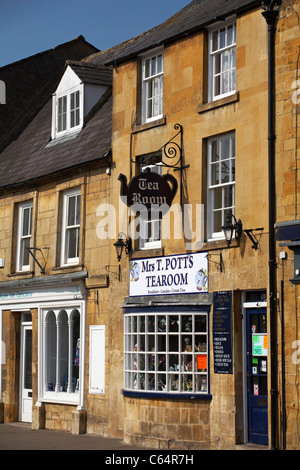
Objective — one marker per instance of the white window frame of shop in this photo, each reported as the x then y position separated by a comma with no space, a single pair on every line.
163,351
69,227
60,360
152,85
220,183
222,62
68,111
24,233
154,225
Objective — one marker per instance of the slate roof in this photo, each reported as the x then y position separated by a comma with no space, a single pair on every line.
197,15
31,157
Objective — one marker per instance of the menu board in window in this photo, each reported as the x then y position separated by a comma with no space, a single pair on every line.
222,337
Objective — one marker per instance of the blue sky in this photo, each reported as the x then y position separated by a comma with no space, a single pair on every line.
28,27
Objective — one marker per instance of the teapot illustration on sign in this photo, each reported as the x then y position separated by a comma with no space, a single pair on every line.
148,193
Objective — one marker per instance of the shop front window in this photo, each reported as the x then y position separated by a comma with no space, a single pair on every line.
166,352
61,354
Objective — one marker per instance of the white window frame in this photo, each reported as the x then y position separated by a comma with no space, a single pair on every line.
222,63
60,391
23,240
152,79
163,350
218,159
66,228
155,225
68,128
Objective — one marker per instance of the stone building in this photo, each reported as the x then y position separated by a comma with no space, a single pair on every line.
181,338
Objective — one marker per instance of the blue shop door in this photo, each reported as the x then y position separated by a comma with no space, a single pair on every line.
257,371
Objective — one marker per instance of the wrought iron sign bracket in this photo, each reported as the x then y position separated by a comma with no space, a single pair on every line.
252,236
220,264
172,156
30,248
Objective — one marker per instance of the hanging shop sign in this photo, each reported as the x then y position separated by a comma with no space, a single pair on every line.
222,343
148,194
178,274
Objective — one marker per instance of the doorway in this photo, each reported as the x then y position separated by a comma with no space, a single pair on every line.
257,372
26,369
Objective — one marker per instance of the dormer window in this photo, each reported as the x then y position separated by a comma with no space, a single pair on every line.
80,88
68,112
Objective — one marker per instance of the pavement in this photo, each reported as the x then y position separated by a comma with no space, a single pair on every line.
20,436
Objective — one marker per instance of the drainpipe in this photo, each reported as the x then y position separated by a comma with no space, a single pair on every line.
270,14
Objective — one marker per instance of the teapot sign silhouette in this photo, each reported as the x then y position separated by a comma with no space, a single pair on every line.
148,194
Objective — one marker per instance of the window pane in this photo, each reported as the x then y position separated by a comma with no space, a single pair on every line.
77,214
217,63
230,36
224,83
153,66
73,235
217,202
71,210
225,148
214,151
215,45
200,323
28,359
222,38
24,252
62,116
159,64
74,109
225,172
50,351
228,200
63,349
27,221
147,68
217,89
224,61
217,221
215,170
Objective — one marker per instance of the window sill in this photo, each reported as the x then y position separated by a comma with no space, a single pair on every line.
219,245
170,395
22,274
149,125
202,108
61,398
67,269
153,253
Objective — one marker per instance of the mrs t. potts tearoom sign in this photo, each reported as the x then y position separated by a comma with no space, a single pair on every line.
178,274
